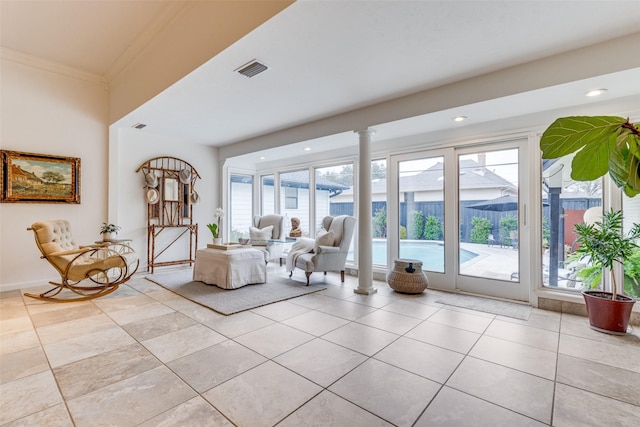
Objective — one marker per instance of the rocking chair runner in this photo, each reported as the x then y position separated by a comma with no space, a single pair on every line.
106,265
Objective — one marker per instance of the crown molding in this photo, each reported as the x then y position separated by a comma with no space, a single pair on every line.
50,66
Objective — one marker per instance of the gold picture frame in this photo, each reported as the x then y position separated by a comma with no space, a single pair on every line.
39,178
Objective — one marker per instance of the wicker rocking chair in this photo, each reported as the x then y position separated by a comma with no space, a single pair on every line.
88,271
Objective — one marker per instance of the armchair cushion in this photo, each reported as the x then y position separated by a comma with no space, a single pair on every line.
337,226
259,236
276,220
325,238
301,246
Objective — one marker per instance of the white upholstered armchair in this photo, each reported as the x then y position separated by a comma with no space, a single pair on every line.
265,228
330,248
88,271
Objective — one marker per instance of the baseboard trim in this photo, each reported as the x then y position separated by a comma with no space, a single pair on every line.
24,285
577,308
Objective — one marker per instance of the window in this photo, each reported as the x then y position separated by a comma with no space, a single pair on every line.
379,211
240,206
334,192
268,195
489,218
294,198
566,202
421,211
631,211
290,198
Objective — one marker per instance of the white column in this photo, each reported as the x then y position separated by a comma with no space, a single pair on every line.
365,242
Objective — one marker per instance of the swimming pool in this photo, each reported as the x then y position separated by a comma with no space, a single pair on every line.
430,253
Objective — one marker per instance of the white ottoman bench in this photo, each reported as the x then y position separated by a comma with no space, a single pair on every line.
230,269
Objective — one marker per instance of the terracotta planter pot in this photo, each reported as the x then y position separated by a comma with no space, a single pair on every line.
606,315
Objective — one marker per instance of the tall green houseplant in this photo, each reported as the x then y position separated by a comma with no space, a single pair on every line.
602,144
605,243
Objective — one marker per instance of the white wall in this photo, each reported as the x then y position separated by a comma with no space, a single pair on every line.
48,112
131,148
53,111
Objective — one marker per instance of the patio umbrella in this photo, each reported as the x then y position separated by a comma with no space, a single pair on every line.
501,204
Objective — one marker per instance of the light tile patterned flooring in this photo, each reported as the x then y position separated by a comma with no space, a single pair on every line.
145,356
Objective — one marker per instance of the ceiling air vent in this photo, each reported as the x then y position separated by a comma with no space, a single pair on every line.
139,126
252,68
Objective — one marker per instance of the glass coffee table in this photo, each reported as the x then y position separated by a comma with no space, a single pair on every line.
282,248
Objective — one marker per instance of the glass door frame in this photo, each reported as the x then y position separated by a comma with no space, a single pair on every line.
515,289
444,281
451,280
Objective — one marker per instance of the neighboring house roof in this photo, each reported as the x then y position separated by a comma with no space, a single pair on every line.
472,176
297,179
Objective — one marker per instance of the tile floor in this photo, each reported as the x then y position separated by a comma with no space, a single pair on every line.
145,356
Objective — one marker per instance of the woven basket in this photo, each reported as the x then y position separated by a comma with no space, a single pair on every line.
407,277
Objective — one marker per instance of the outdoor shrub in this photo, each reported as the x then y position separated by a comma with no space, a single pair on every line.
403,232
508,223
380,223
415,226
546,231
480,229
591,276
632,274
432,228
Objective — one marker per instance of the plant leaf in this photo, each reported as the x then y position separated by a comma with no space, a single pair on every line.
568,134
632,187
633,170
593,160
633,181
619,159
624,165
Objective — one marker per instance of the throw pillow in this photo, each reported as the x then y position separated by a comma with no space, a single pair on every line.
323,239
259,236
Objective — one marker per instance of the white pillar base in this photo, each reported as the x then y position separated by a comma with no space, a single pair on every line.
369,291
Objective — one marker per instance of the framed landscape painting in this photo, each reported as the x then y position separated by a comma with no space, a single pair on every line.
39,178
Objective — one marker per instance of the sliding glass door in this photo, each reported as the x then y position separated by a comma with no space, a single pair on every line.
491,220
461,212
421,211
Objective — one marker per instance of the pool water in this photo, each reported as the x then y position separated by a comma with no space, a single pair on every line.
430,253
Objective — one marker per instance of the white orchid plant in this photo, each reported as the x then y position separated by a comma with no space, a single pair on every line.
216,226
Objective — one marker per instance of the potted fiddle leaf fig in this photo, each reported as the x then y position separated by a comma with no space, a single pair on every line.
603,144
604,244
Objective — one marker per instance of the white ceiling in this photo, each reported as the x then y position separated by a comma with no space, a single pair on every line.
330,57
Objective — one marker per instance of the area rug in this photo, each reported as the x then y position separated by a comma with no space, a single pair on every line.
488,305
229,301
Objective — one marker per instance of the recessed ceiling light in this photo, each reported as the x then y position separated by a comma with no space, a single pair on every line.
262,157
307,148
595,92
459,118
